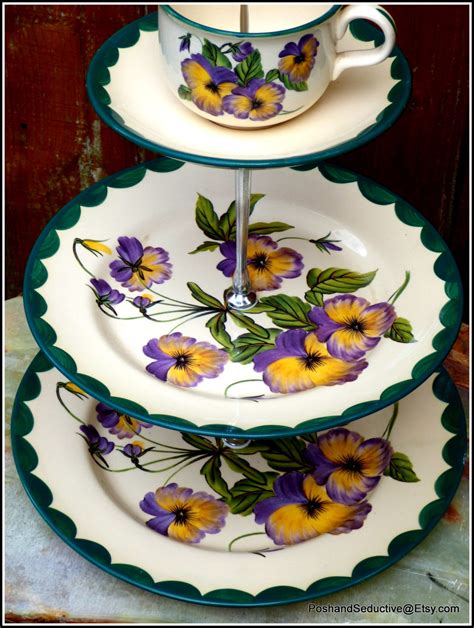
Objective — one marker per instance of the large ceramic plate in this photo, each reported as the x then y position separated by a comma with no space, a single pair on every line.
221,536
360,299
127,87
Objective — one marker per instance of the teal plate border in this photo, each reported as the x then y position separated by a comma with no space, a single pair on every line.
98,77
26,460
48,243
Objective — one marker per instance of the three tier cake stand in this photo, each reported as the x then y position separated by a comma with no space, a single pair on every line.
250,429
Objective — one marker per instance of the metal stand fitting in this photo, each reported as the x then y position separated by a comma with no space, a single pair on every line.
236,443
241,296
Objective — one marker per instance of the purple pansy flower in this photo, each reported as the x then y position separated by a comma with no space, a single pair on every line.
242,51
133,450
297,60
301,509
184,361
347,464
99,446
257,101
208,84
183,515
267,265
351,325
300,361
138,268
122,425
325,245
105,295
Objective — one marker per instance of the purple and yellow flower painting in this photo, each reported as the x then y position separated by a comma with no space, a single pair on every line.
297,60
134,449
300,361
98,445
257,101
267,264
208,84
348,466
183,515
351,326
183,361
301,510
105,295
241,51
122,425
139,267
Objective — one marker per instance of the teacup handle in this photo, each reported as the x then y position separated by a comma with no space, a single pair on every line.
359,58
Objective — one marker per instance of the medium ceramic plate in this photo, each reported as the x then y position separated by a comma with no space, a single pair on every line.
130,498
128,89
360,299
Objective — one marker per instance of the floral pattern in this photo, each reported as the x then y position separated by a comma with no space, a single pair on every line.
323,340
301,509
300,361
347,464
183,361
137,267
267,264
122,425
295,488
184,515
351,326
230,79
297,60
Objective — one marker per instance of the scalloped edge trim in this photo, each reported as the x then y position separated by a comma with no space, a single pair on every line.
47,244
26,460
98,76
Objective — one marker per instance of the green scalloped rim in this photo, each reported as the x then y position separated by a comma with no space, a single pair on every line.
26,461
108,54
48,242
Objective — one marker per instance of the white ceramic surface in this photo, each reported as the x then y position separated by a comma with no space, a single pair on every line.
254,80
371,238
104,506
148,109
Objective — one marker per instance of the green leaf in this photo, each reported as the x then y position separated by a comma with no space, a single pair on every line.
272,75
227,220
198,442
205,246
214,55
184,92
211,470
247,323
247,346
239,465
250,68
246,494
334,280
400,331
263,228
315,298
297,87
401,468
286,454
287,312
216,326
203,297
206,218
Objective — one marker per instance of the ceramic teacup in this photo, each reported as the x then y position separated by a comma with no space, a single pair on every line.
270,74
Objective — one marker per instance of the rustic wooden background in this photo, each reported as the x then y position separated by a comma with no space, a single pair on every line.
56,146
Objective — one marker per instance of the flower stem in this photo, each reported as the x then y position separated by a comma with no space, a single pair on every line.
189,319
292,238
66,408
165,297
400,290
243,536
184,465
391,423
78,260
242,381
155,442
